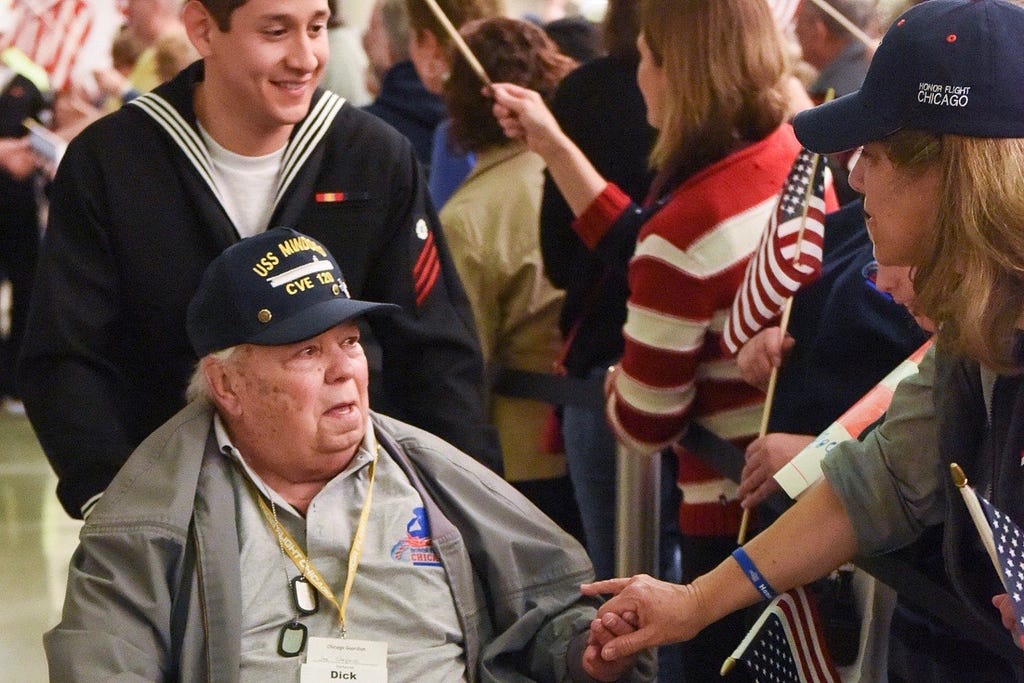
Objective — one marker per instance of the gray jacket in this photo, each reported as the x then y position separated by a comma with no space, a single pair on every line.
154,589
892,484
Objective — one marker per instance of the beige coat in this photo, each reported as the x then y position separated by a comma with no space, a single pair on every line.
492,226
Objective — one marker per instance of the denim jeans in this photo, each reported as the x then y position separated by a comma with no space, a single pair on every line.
590,451
590,455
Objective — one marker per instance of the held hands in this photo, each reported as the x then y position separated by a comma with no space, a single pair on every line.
761,355
522,115
603,630
766,456
643,613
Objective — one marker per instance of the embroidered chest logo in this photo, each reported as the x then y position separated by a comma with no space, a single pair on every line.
416,548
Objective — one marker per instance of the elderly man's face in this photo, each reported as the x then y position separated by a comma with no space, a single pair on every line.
302,407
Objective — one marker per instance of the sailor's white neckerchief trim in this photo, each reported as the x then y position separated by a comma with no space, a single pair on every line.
301,144
183,135
306,138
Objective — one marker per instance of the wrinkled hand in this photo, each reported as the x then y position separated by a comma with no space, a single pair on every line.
522,114
1005,607
766,456
602,631
761,355
663,613
17,158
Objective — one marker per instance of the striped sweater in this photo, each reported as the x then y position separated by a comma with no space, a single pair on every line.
688,264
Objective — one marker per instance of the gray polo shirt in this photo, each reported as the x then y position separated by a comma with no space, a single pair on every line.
400,594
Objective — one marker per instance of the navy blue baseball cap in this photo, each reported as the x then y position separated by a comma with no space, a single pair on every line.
944,67
277,287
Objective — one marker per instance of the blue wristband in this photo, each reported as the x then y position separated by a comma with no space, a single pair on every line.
752,572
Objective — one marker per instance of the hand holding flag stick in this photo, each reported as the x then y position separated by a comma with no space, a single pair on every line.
453,33
768,399
1004,543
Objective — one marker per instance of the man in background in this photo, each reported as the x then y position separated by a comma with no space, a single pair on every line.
277,516
402,100
840,57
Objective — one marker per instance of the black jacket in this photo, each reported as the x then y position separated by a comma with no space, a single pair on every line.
601,109
135,219
409,107
849,335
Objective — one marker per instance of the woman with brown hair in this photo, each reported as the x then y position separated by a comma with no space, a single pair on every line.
491,222
595,295
430,45
713,74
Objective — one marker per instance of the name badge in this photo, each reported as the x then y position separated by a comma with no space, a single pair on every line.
347,652
333,673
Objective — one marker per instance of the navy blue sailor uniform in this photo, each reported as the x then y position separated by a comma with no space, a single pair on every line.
135,218
19,219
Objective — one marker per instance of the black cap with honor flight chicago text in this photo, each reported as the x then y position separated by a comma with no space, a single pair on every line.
277,287
944,67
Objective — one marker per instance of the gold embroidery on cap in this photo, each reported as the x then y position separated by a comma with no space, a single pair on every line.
263,316
336,290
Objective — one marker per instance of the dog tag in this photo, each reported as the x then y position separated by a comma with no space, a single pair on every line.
307,599
293,640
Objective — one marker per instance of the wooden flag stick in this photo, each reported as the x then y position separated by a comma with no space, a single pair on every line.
453,33
741,538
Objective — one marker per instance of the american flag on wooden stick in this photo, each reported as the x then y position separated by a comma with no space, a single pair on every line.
785,644
789,254
1004,542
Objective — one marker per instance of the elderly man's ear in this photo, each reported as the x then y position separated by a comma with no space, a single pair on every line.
223,380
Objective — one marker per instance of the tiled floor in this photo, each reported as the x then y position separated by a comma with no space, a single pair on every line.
36,541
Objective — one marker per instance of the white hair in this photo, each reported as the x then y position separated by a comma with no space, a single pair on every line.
198,388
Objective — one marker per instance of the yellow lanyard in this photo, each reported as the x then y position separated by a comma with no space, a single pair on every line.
305,567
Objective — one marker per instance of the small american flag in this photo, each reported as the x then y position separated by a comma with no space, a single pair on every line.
1009,544
789,254
785,645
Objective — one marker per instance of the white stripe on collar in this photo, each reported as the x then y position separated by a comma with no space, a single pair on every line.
301,144
305,140
183,135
